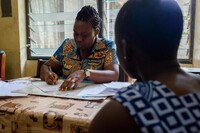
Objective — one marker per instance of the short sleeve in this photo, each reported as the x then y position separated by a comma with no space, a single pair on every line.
111,55
58,55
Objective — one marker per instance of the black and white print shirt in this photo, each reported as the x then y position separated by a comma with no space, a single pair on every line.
157,109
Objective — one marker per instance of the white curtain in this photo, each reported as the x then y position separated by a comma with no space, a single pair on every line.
51,21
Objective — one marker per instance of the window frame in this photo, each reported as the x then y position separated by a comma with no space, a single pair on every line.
192,31
100,7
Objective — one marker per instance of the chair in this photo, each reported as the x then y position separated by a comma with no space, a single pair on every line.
2,64
39,65
123,77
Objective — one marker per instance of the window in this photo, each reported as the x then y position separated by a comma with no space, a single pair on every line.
186,45
51,21
112,7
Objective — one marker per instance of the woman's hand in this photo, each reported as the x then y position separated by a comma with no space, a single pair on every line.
73,80
51,78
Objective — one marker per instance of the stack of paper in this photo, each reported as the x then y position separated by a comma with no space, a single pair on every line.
6,88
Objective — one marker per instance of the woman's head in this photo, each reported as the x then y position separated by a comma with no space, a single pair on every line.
152,27
89,14
86,27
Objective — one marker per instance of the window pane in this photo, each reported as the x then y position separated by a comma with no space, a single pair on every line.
111,8
50,22
184,48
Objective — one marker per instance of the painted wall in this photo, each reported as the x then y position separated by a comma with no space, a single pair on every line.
10,42
196,56
13,42
13,39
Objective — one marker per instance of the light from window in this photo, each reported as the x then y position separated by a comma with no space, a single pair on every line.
50,22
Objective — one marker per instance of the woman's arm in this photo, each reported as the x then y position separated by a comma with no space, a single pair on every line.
113,118
110,73
48,71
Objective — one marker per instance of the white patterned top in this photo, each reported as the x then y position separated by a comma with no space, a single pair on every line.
157,109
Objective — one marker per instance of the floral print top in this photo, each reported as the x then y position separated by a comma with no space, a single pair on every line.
68,56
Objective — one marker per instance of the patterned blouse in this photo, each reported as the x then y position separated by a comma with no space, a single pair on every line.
156,109
68,56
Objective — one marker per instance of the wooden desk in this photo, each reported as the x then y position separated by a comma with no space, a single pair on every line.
36,114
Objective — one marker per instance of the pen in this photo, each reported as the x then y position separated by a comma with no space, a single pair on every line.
50,69
54,79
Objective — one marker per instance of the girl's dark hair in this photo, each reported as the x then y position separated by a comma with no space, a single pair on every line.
89,14
154,25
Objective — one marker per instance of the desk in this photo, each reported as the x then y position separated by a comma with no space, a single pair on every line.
37,114
191,70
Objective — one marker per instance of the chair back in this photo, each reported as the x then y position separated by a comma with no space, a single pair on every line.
2,65
123,77
39,65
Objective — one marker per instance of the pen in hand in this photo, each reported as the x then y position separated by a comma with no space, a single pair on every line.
52,75
50,69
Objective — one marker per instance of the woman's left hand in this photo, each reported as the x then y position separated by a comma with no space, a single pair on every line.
73,80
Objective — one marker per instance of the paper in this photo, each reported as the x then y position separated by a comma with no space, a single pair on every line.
100,90
47,88
117,85
92,90
85,91
6,88
43,86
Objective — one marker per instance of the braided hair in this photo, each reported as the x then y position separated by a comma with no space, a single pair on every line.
89,14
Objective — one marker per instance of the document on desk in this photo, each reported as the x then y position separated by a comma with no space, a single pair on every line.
6,89
103,90
43,86
85,91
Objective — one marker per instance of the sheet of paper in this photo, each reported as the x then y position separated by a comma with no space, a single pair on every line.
6,88
108,89
92,90
51,88
117,85
45,87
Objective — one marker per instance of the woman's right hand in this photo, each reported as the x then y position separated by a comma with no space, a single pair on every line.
51,78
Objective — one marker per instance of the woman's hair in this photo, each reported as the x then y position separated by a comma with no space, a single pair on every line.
154,25
89,14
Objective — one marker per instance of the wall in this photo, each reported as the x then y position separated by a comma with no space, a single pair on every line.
9,42
196,54
22,35
13,39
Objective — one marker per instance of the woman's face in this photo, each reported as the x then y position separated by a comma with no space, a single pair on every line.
84,35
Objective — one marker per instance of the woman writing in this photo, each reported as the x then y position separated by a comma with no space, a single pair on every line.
84,57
